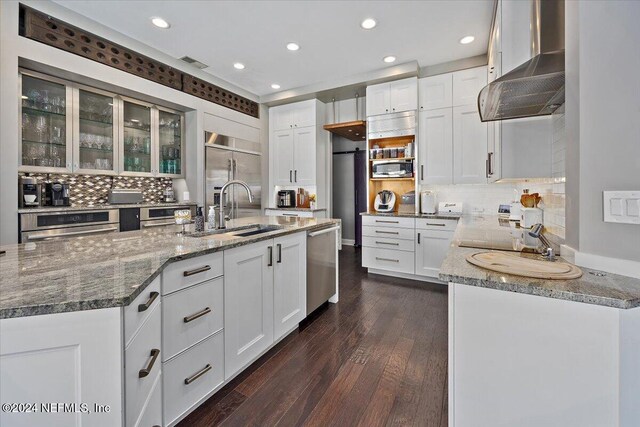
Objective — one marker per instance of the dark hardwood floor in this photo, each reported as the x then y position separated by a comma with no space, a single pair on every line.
378,357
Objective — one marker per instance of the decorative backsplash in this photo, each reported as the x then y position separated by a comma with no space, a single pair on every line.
91,190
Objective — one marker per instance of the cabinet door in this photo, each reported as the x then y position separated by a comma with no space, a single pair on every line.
404,95
248,304
46,126
435,92
494,129
378,99
170,143
304,114
467,84
469,146
436,146
304,156
281,117
282,156
431,250
136,154
290,282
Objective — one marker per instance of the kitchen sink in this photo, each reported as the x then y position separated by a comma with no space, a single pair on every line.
242,231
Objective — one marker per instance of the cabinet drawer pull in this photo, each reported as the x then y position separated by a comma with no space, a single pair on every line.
387,243
387,259
387,222
437,225
287,214
270,256
196,271
194,316
145,371
197,375
387,232
146,305
279,253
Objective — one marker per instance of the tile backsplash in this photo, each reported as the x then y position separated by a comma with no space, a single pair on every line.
91,190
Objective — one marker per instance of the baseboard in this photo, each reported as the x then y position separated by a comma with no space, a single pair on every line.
624,267
406,276
348,242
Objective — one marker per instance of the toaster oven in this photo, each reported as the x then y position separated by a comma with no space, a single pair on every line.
396,168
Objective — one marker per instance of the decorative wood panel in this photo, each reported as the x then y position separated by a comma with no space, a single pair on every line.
43,28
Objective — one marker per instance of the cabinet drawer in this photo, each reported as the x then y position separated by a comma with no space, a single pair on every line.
387,243
190,315
191,376
137,312
191,271
436,224
142,365
388,259
294,214
152,412
389,232
388,221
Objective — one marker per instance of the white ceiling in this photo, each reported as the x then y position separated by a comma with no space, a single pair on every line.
333,45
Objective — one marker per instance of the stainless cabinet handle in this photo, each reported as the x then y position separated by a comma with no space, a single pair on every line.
73,233
290,179
145,371
279,253
295,175
194,316
387,259
270,256
387,243
418,238
486,167
387,222
146,305
437,225
196,271
490,164
387,232
422,172
158,224
197,375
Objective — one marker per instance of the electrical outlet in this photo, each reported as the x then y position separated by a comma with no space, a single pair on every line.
622,207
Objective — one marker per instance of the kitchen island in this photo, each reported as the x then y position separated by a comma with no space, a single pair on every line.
143,326
532,352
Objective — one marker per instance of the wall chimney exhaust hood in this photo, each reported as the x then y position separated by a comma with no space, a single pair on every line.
535,88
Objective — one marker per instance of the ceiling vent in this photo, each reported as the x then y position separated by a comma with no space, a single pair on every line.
194,62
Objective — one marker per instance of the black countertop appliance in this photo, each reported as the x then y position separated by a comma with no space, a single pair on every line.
56,194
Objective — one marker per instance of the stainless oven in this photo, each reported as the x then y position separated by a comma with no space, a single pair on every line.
62,224
392,168
161,216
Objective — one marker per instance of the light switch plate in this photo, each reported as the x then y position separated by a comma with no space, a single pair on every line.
622,207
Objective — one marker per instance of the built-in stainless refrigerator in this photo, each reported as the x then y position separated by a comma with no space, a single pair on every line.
230,158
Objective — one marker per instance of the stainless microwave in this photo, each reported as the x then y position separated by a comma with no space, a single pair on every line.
392,168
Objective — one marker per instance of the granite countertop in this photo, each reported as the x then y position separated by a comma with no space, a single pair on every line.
298,209
413,215
101,207
594,287
101,271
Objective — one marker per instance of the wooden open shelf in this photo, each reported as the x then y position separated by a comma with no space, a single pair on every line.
392,158
355,130
398,186
410,178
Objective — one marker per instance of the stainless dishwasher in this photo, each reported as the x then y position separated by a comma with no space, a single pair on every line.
322,266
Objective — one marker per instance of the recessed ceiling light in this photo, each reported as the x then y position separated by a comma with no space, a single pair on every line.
160,23
275,86
238,66
467,39
293,46
368,23
389,59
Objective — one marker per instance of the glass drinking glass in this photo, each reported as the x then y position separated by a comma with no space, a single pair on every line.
182,217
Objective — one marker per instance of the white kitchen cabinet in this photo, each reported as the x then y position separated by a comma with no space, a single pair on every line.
436,146
467,84
494,129
431,250
290,282
469,146
317,213
281,117
392,97
296,115
283,158
304,156
435,92
378,99
248,302
73,357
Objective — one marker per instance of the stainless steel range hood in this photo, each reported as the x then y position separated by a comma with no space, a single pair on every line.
535,88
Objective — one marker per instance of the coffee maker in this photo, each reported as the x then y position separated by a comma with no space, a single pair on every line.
56,194
29,192
286,199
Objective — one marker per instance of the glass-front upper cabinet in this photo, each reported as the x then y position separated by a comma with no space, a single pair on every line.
137,137
170,145
46,125
95,132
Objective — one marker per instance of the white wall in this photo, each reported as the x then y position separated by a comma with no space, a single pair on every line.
13,47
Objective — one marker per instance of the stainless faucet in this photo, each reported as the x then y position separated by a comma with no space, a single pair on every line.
547,251
221,222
